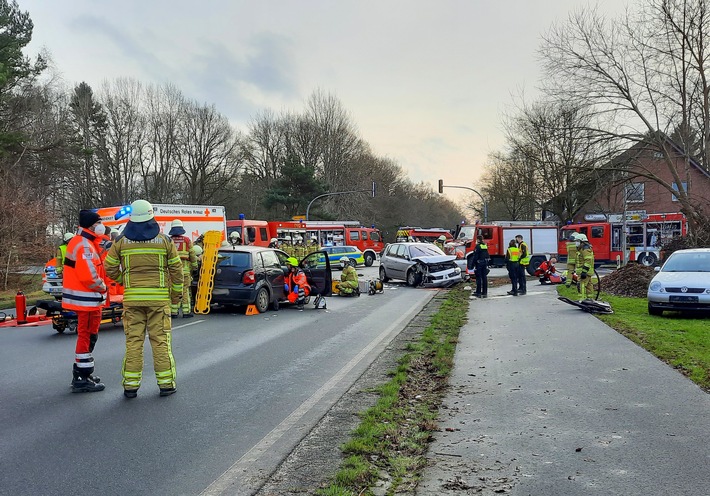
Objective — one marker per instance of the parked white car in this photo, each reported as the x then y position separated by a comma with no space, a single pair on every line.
682,284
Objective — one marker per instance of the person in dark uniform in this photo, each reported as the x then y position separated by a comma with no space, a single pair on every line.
478,262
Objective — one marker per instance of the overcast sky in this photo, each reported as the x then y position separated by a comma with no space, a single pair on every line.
426,81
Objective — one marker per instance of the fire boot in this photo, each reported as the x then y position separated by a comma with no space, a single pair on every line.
81,382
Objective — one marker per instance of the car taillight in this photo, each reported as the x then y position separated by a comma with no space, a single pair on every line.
249,277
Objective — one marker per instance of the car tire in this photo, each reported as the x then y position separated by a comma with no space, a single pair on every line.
413,278
648,259
369,259
353,263
262,299
383,275
535,262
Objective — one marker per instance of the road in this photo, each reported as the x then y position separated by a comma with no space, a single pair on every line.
249,388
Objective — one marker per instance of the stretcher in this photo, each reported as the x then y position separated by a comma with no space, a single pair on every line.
66,320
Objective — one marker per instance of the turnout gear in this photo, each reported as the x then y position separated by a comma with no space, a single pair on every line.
84,291
571,258
188,258
585,266
348,279
152,275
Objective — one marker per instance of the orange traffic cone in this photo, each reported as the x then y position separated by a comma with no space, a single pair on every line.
252,310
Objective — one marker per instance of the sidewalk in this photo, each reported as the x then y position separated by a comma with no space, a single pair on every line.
547,400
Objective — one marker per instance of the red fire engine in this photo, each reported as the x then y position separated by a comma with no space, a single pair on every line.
347,233
645,234
540,236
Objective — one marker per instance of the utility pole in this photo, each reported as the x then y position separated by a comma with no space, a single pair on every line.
485,203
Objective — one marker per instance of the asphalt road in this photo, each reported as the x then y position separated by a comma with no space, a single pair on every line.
249,388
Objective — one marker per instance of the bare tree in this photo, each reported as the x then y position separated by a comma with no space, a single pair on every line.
643,76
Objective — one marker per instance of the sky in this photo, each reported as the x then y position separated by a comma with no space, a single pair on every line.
427,82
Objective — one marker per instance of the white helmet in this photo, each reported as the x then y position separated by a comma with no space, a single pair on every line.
235,235
198,250
442,238
176,223
582,237
287,237
273,240
225,244
141,211
344,262
573,236
68,236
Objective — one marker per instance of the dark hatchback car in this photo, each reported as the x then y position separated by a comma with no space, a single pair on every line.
255,275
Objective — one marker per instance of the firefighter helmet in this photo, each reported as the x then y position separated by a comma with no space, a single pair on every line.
582,237
141,211
176,223
293,261
442,238
344,262
198,250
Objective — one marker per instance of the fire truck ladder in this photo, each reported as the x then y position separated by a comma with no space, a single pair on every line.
205,283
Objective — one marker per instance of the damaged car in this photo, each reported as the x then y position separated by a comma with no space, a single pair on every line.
419,264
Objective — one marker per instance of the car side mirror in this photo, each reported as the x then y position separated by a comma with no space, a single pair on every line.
656,269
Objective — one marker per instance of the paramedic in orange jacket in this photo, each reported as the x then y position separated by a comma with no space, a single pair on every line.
296,286
84,292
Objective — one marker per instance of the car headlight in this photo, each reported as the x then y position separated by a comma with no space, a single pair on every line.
656,286
707,291
457,270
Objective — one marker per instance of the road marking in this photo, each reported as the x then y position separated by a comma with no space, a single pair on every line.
188,324
234,480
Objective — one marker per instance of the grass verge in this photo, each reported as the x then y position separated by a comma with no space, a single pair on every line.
390,443
681,340
30,284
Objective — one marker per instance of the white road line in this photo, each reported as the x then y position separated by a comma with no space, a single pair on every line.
189,324
237,480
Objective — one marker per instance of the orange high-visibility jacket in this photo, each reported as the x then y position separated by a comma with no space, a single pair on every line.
83,285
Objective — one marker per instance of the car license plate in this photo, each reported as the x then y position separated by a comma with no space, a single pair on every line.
683,299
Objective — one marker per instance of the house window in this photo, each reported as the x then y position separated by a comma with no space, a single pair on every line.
634,192
684,184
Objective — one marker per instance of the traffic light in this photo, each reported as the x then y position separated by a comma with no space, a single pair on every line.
441,185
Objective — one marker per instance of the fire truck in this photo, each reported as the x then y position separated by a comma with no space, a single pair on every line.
423,234
540,236
645,235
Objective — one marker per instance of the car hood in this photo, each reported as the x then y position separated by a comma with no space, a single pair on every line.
433,259
696,279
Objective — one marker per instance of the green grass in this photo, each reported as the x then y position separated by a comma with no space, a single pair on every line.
29,284
393,435
681,340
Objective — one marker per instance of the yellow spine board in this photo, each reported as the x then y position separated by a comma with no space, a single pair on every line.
205,284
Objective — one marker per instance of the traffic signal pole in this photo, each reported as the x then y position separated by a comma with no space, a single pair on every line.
485,203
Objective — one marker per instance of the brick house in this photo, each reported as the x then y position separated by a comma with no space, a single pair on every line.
645,196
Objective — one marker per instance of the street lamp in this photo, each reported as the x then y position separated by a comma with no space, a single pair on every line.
485,203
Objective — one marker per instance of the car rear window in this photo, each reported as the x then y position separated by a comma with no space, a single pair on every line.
234,259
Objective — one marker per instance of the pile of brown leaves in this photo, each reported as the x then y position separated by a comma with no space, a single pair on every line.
630,280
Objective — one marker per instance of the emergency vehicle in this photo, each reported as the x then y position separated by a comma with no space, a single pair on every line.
540,237
332,233
196,219
645,235
252,232
423,234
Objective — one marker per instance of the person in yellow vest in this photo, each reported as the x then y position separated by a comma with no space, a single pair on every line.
147,263
62,253
571,258
523,265
512,258
348,285
585,266
440,242
188,257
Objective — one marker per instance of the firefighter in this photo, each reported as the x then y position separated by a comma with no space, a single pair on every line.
235,238
348,284
148,264
512,257
296,286
523,264
274,243
585,265
62,252
314,245
286,245
440,242
188,257
84,292
478,263
299,249
571,258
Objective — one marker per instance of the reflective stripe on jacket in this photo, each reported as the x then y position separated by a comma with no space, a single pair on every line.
524,253
572,253
150,271
83,286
